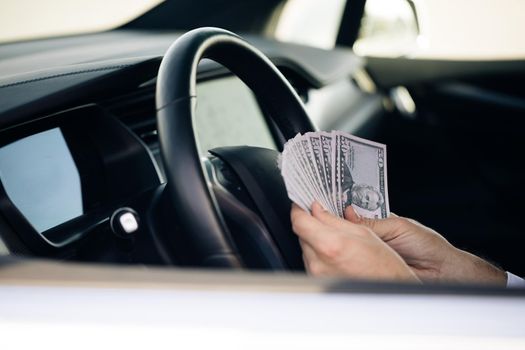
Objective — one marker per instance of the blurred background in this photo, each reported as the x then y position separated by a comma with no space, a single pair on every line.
470,29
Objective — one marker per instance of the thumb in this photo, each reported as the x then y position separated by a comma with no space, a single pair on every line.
386,229
326,217
352,215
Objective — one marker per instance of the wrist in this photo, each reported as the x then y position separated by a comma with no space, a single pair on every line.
403,272
464,267
407,275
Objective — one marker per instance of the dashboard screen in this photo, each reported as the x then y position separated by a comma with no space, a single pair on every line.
40,177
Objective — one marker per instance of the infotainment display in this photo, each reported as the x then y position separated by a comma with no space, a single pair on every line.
64,175
40,177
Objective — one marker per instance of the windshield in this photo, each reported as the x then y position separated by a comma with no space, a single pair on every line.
29,19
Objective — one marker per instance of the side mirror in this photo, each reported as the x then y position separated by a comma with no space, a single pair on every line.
388,28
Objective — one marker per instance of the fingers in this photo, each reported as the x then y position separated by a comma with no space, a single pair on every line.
386,229
307,227
353,216
313,264
326,217
317,229
308,252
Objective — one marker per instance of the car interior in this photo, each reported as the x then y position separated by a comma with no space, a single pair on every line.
155,143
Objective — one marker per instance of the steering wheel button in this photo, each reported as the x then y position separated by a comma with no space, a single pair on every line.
128,222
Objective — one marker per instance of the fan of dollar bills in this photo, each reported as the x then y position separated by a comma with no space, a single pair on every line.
336,169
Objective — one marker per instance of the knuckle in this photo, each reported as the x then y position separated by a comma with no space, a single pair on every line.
363,230
366,232
401,223
370,223
298,225
398,221
301,227
413,222
331,249
293,216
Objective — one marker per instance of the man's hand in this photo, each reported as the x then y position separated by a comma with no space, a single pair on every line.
336,247
430,256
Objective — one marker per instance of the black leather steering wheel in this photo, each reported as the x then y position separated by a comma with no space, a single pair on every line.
203,229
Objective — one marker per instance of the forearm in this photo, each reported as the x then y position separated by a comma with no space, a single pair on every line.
464,267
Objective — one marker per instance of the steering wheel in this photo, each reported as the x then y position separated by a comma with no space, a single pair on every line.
238,187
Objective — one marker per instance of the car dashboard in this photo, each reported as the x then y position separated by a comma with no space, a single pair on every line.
79,140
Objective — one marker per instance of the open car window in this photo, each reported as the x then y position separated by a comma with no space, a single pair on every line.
473,29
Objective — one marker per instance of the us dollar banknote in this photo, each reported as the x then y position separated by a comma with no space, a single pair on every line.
362,176
337,170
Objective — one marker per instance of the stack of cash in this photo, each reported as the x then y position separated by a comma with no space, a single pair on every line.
336,169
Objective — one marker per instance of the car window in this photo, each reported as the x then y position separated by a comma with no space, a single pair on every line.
468,29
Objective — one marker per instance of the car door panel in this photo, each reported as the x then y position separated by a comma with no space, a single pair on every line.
456,163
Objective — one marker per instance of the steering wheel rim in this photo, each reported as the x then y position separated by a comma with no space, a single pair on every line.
187,183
